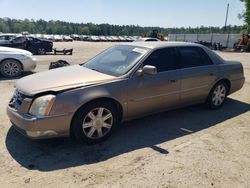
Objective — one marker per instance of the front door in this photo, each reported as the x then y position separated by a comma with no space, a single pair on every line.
152,93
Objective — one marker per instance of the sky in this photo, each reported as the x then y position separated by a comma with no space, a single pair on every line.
163,13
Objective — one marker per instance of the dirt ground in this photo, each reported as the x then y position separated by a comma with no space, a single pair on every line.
190,147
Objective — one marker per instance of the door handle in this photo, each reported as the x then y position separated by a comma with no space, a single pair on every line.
172,81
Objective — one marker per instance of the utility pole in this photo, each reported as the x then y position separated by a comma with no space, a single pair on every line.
225,28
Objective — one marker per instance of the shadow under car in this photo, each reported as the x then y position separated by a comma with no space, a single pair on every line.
54,154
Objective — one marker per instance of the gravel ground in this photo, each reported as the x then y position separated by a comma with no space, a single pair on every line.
190,147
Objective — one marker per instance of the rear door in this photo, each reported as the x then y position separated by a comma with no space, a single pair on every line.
151,93
198,73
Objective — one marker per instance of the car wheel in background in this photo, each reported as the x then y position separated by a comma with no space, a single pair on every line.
10,68
218,95
41,51
94,122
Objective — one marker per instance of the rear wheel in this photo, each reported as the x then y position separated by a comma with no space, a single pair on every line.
218,95
10,68
94,122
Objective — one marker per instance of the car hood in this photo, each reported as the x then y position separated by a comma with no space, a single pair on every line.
60,79
14,50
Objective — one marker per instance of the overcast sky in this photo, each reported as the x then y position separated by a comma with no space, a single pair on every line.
163,13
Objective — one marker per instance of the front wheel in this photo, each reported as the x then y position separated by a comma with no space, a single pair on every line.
218,95
94,122
10,68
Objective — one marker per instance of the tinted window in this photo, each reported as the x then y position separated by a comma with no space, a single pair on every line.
163,59
19,40
33,39
193,57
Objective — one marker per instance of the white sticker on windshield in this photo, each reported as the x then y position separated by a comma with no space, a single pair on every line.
139,50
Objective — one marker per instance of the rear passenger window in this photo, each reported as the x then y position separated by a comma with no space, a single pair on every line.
162,59
19,40
193,57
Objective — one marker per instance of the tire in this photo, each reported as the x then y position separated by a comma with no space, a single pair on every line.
41,51
94,122
10,68
32,50
218,95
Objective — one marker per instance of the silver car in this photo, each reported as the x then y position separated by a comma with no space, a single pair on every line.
124,82
13,62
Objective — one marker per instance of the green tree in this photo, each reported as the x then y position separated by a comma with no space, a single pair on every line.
246,14
4,27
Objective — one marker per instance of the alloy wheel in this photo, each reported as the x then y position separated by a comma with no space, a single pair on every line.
11,69
219,95
97,123
41,51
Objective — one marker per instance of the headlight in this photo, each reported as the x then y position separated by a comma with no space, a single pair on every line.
41,106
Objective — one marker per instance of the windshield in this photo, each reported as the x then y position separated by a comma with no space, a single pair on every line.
116,61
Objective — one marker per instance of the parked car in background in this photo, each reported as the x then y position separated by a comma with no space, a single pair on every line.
115,39
40,36
122,83
84,37
67,38
75,37
103,39
32,44
147,40
57,38
13,62
5,38
94,38
122,39
129,39
109,39
48,37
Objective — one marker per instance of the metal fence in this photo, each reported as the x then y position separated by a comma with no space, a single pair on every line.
226,40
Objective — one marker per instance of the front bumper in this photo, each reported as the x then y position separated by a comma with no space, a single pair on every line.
29,64
40,128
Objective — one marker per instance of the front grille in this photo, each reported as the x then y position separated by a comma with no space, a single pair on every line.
17,100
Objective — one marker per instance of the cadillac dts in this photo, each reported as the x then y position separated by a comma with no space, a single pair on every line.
124,82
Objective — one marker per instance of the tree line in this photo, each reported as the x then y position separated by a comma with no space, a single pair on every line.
8,25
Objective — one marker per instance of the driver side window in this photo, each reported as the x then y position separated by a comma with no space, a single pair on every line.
162,59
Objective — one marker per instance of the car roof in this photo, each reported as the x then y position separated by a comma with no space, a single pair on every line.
154,45
7,34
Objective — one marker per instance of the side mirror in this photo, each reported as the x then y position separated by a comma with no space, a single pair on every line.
147,70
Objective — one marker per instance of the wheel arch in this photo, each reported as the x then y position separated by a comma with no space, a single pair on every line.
226,80
117,105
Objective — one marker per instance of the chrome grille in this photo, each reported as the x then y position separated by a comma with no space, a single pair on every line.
17,100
